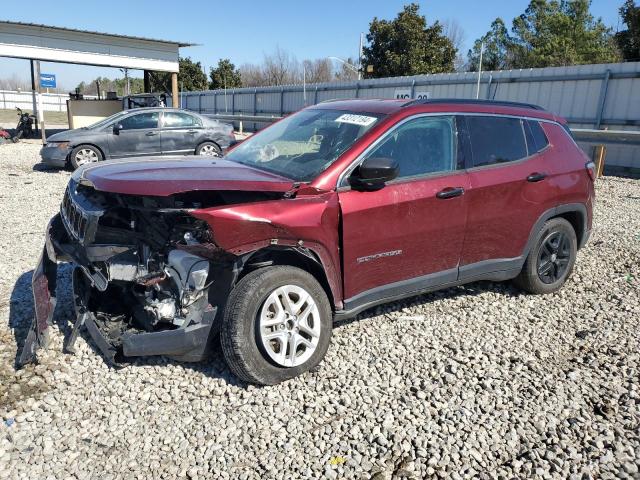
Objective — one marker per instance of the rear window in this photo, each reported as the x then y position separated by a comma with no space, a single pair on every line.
536,138
496,139
175,120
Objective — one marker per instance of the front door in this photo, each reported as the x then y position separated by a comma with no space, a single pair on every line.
408,235
139,135
181,133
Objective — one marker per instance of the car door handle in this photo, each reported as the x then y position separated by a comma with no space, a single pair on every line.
536,177
192,132
151,134
450,192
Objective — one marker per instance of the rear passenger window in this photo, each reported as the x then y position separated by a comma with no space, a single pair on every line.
496,140
537,140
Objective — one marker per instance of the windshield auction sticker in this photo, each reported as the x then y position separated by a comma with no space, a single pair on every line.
361,120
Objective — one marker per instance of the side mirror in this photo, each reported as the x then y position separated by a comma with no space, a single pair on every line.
116,128
373,173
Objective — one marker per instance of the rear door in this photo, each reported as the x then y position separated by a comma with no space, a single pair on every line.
406,236
181,133
139,135
509,189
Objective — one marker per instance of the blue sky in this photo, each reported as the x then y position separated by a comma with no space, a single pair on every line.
244,30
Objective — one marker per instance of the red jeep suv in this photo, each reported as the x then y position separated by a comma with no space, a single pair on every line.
332,210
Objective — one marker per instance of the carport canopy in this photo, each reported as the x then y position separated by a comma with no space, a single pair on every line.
66,45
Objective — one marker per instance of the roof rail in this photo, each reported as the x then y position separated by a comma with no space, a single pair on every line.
473,101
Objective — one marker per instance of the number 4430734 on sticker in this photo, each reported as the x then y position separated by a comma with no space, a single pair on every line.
362,120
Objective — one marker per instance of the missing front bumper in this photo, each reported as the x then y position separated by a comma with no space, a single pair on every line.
186,343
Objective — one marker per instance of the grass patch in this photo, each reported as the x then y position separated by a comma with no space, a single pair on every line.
9,118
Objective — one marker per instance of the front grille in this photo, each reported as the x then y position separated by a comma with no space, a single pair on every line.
76,221
80,213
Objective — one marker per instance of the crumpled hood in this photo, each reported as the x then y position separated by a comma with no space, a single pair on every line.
170,175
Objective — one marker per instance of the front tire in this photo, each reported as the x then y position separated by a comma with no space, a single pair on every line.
551,260
84,154
277,325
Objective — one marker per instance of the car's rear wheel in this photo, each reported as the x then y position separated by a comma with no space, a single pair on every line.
551,259
208,149
83,154
277,325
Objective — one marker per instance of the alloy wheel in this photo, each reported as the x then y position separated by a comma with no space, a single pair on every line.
209,151
554,257
86,155
289,325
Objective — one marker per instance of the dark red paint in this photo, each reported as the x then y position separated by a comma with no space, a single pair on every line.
493,219
169,176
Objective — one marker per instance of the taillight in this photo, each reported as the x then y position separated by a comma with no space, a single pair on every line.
591,169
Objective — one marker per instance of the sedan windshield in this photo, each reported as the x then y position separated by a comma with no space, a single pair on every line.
304,144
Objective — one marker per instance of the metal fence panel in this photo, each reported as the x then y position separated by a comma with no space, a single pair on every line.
589,96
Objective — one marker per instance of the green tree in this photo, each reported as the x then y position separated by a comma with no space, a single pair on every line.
190,77
561,32
117,85
407,45
497,53
225,75
629,39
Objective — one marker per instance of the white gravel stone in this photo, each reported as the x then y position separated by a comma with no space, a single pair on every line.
477,381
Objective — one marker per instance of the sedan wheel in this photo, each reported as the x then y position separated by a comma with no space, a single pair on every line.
85,155
208,149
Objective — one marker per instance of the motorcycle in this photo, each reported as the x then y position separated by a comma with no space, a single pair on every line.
25,125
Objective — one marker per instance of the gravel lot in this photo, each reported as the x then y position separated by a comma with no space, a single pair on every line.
477,381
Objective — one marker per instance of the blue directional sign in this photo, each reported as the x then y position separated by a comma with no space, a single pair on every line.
47,80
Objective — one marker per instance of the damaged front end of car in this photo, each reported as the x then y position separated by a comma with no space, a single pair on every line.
147,277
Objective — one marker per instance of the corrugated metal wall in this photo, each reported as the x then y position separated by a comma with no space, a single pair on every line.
589,96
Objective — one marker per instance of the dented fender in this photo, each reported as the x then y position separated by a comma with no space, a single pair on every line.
311,221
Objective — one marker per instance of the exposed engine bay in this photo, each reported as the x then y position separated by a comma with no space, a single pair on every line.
148,277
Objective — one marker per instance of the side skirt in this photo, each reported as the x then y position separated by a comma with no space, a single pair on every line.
493,270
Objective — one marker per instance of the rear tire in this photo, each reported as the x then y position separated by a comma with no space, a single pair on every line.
551,260
84,154
208,149
268,336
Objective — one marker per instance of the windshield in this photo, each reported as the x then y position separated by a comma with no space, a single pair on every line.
107,120
304,144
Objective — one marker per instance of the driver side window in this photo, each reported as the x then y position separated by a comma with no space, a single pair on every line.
421,146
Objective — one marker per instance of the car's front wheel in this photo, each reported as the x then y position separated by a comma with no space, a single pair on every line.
84,154
277,325
551,259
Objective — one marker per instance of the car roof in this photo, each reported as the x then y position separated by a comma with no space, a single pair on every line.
362,105
449,105
153,109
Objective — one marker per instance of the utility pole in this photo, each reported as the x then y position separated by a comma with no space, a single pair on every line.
40,113
360,56
304,84
479,70
34,92
224,79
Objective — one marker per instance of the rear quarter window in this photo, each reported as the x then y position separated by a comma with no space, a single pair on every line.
496,139
536,138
